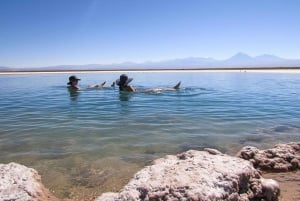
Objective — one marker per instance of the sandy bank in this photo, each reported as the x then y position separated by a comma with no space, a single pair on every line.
289,183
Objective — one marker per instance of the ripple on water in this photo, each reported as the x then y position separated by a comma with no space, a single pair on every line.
93,141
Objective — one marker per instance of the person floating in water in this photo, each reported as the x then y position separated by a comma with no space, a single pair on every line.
123,83
96,86
73,83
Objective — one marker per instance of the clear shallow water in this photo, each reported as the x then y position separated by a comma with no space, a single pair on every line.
95,140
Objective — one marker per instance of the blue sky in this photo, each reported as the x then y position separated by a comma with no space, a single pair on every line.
36,33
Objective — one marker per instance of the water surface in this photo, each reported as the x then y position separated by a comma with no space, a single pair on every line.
93,141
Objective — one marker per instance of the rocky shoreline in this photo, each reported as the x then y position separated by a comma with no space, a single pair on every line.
192,175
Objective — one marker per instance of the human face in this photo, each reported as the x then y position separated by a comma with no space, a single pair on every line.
74,82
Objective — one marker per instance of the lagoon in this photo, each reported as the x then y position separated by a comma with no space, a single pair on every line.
93,141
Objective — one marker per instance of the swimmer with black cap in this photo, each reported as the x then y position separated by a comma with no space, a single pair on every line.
73,83
123,83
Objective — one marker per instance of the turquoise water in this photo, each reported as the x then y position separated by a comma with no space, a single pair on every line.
95,140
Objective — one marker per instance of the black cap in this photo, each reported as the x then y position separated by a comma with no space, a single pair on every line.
72,78
124,80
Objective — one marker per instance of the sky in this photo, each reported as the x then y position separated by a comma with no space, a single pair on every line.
37,33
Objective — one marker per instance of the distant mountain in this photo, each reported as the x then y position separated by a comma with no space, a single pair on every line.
2,68
240,57
239,60
266,60
268,57
192,62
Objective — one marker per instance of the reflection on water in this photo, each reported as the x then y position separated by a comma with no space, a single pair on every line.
125,95
73,94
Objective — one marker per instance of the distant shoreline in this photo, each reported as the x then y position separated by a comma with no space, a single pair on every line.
254,70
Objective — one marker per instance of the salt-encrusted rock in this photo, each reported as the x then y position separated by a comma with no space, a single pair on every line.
197,175
20,183
270,188
281,158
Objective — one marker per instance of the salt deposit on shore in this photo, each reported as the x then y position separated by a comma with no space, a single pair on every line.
20,183
196,175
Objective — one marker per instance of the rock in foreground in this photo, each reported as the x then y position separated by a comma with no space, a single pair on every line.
197,175
281,158
19,183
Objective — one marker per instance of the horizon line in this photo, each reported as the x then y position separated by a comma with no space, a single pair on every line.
238,69
152,61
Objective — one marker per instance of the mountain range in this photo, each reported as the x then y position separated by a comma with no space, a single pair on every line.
239,60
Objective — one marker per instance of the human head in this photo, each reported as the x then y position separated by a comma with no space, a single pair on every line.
124,80
72,79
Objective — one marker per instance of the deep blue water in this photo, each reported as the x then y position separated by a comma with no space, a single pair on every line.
95,140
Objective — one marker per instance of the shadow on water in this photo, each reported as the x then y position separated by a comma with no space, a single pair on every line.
279,129
125,96
73,94
268,137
